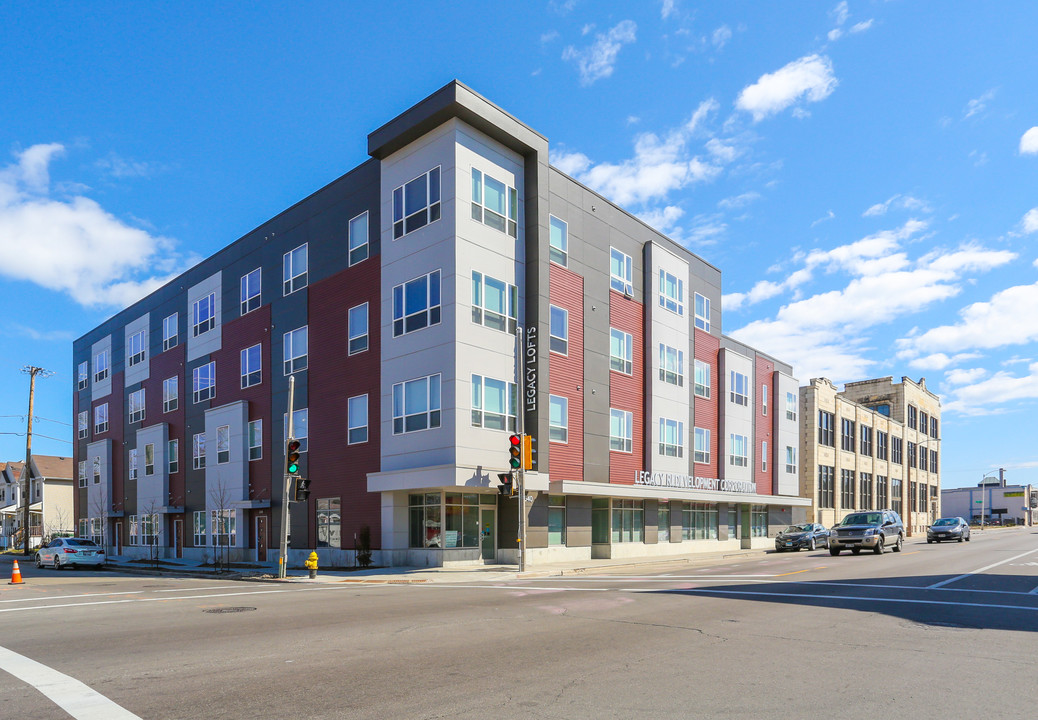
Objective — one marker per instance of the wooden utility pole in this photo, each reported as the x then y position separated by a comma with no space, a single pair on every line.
32,371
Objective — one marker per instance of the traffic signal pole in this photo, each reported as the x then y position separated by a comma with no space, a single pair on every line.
283,558
520,476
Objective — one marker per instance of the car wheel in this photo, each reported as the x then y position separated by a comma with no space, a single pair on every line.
967,538
855,551
960,538
929,541
899,543
879,546
39,561
834,551
811,544
57,564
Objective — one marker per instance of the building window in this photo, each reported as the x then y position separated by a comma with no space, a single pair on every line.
357,419
933,427
913,419
791,406
204,312
170,333
300,427
425,520
329,522
791,460
83,421
101,366
896,450
198,451
672,365
494,203
251,291
82,475
462,519
740,388
556,520
701,445
251,366
847,434
203,382
758,520
101,418
671,442
739,450
97,470
846,489
84,375
881,491
911,454
173,450
558,241
223,444
134,529
225,528
416,304
170,394
896,489
621,430
924,422
698,521
922,458
881,445
135,351
358,231
255,439
558,419
702,379
295,345
149,459
416,404
199,527
825,486
826,428
764,399
416,203
558,340
294,265
672,293
933,461
358,329
133,464
865,491
136,406
628,521
621,351
764,456
493,403
620,272
494,303
866,440
150,529
702,312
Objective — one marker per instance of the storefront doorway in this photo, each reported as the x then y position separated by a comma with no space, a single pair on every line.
486,533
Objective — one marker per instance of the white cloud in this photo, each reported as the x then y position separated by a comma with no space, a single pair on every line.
71,244
1029,223
963,376
762,290
835,34
738,201
984,396
663,219
810,78
861,27
903,202
721,36
979,105
1029,142
840,13
825,218
667,8
598,59
940,361
549,36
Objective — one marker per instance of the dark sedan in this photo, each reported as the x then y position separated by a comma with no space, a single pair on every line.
808,535
952,528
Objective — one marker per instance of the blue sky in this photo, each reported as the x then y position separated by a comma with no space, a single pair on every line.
864,173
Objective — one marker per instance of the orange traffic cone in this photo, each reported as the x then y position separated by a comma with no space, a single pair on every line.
16,575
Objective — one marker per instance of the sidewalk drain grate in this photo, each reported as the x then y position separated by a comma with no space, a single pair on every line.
229,610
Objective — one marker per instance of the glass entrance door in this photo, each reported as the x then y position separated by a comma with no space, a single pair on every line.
486,533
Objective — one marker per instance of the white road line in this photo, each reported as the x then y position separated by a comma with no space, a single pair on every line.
67,597
709,591
977,572
74,697
143,600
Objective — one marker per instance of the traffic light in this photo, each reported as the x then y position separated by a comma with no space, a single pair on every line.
527,452
505,488
302,489
292,457
515,451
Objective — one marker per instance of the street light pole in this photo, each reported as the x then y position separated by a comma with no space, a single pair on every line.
983,489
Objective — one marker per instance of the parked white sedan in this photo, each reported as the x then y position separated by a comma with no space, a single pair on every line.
70,552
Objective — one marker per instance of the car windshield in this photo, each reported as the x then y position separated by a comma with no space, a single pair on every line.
861,519
81,543
797,528
947,521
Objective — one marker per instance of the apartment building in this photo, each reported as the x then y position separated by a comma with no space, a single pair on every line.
873,445
393,296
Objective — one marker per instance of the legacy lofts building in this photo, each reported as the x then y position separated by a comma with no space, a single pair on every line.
393,296
874,445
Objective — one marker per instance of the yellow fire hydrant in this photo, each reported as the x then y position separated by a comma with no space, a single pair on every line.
311,564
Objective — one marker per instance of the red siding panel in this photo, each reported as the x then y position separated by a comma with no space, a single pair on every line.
707,409
163,366
566,374
627,392
765,372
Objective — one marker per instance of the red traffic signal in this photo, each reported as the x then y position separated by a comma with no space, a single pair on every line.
292,457
515,451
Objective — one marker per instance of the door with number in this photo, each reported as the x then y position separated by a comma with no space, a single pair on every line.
178,538
486,534
261,538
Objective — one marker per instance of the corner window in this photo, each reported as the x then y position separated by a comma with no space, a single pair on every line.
672,365
701,445
251,366
173,456
558,241
702,379
416,304
621,430
493,403
136,406
416,404
295,346
255,440
204,312
672,293
101,418
416,203
357,419
740,388
135,352
494,303
358,238
558,419
170,334
621,351
494,203
620,272
223,444
101,366
702,312
170,394
558,341
84,375
250,291
739,450
671,442
358,329
294,273
203,382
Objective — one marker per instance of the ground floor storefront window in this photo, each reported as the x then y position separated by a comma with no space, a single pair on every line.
600,520
425,521
556,519
759,520
663,522
628,521
329,522
698,521
733,522
462,526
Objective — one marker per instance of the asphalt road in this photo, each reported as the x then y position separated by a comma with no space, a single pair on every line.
937,630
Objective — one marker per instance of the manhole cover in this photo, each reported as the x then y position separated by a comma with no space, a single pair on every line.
229,610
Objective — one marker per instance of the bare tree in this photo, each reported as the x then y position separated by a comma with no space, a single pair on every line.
220,497
150,517
100,510
60,523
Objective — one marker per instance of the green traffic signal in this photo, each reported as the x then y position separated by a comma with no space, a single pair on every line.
292,457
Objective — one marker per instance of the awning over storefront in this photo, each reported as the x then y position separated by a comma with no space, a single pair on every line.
578,487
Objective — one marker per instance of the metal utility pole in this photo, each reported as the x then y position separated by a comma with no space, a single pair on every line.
283,559
32,371
520,477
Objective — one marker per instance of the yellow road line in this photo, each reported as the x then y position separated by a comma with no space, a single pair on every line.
797,572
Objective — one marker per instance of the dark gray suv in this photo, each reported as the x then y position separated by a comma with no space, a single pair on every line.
873,529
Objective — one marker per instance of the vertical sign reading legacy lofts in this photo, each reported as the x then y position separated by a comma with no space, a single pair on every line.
530,370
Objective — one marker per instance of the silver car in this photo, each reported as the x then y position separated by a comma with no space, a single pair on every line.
70,552
873,529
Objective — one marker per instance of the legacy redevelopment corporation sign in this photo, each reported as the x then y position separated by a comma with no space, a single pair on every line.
692,482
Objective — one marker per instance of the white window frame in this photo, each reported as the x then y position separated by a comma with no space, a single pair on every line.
738,450
198,525
671,429
672,365
480,413
101,366
701,381
170,331
620,282
292,277
251,300
504,319
791,460
83,372
739,391
82,474
173,456
558,419
357,336
203,382
101,419
149,459
764,399
558,344
764,456
430,313
358,239
405,223
97,469
624,343
702,312
170,394
300,427
558,243
701,445
255,430
670,302
135,350
621,430
83,424
791,406
251,361
198,451
203,315
357,420
223,444
502,219
133,463
431,411
296,345
135,406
